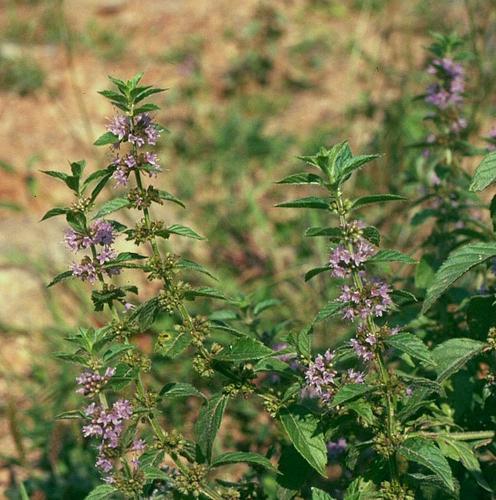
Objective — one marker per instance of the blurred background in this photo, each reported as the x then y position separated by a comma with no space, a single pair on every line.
250,87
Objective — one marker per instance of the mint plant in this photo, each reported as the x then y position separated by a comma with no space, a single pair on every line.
379,400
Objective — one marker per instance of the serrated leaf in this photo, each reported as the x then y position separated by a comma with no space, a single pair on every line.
154,473
54,212
332,232
426,453
112,206
205,291
115,351
391,256
150,106
69,415
146,92
177,344
485,174
194,266
315,272
146,313
302,428
459,451
235,457
180,390
412,345
372,234
301,340
208,423
456,265
307,202
331,309
350,392
302,178
361,489
184,231
101,492
375,198
106,138
245,349
356,162
320,495
164,195
453,354
264,305
60,277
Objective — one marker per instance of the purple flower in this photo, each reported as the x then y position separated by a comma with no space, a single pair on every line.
355,377
91,383
119,126
409,391
102,232
106,255
152,134
450,86
364,352
320,377
139,445
121,177
85,271
334,449
104,464
136,140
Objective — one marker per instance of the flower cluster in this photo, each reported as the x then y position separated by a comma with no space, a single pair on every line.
138,132
92,382
100,233
372,299
321,376
366,343
448,91
108,425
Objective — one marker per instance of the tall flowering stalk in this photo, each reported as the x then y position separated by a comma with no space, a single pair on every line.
356,385
121,415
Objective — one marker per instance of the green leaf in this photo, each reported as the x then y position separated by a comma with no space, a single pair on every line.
164,195
146,313
375,198
301,340
372,234
302,428
208,423
355,163
315,272
101,492
264,305
176,345
154,473
360,489
77,168
426,453
412,345
113,96
184,231
70,415
54,212
115,350
205,291
60,277
57,175
106,138
180,390
424,273
331,309
332,232
349,392
22,492
459,451
235,457
146,92
245,349
150,106
302,178
194,266
453,354
485,174
308,202
456,265
320,495
112,206
391,256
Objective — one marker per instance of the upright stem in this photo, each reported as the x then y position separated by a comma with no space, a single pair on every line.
383,373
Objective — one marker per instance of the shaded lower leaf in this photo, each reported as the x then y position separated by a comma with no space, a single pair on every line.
302,428
234,457
426,453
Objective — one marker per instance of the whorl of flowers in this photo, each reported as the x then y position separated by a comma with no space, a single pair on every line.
321,376
448,90
100,234
92,382
138,133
